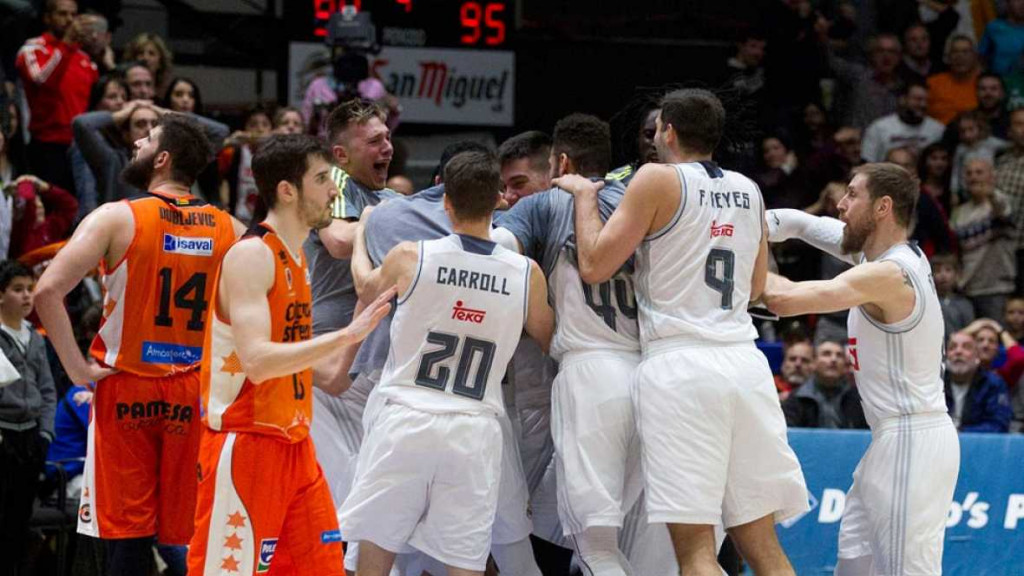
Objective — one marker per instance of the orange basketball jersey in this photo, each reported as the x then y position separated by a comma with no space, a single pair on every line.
158,295
280,406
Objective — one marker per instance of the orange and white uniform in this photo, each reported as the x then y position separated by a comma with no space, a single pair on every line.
144,430
264,506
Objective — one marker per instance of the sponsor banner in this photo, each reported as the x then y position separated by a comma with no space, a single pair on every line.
165,353
984,525
330,536
434,86
188,246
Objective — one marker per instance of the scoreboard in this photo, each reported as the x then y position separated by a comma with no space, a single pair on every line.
473,24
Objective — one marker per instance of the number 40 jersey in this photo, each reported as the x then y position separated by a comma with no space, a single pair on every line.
456,327
693,277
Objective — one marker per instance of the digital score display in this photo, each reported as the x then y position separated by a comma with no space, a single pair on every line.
477,24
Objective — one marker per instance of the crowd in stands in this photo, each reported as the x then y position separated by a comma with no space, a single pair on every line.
939,89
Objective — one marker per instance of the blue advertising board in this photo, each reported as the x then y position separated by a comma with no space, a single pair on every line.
985,524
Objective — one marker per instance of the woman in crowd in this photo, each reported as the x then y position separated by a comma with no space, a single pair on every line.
288,120
152,50
934,169
182,95
109,94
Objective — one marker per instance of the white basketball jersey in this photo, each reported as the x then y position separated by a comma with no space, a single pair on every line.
591,317
456,327
898,367
693,276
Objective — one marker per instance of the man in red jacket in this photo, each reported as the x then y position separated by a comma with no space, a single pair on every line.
57,76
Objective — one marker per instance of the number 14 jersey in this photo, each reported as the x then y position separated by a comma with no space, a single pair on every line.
693,277
456,327
156,300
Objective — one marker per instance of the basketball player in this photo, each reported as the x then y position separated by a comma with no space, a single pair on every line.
423,217
895,517
429,466
264,505
157,253
712,433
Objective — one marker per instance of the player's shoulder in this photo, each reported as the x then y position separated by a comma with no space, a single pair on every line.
251,249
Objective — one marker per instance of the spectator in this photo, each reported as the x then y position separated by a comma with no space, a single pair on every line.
797,364
152,51
957,311
71,426
1010,179
1003,42
107,141
989,335
43,215
401,184
183,95
929,228
1013,319
814,133
109,94
975,142
746,71
139,79
869,92
1014,84
782,183
96,42
833,164
27,408
8,169
238,187
984,231
57,76
954,91
992,103
977,398
827,399
288,120
909,127
525,165
934,168
917,62
349,79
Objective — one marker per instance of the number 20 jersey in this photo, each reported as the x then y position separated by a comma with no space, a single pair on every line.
156,301
693,277
456,327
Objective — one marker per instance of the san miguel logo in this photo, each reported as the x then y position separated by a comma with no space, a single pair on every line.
723,230
437,81
467,314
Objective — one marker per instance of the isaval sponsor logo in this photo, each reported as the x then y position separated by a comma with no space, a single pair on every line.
188,246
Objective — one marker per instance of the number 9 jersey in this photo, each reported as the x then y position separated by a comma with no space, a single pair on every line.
456,327
693,277
157,297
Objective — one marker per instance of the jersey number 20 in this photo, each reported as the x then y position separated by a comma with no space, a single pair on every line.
430,375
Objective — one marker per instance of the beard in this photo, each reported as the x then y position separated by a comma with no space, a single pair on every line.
960,368
139,172
855,234
316,217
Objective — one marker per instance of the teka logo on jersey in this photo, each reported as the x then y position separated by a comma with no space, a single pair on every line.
188,246
723,230
467,314
85,514
267,547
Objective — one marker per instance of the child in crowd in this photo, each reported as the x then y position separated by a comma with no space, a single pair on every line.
956,309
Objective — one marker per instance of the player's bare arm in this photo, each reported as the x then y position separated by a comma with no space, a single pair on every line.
602,248
96,239
397,270
883,288
540,318
247,275
339,238
757,283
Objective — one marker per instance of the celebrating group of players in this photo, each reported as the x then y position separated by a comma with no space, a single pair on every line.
213,347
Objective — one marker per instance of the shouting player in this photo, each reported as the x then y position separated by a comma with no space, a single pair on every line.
712,434
263,504
895,518
158,253
430,463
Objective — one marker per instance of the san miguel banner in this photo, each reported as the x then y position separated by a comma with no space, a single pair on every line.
434,86
984,525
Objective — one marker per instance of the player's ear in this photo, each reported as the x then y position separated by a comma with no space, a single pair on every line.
286,192
162,159
564,164
339,153
883,205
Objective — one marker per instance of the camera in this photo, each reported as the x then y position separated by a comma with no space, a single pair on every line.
352,31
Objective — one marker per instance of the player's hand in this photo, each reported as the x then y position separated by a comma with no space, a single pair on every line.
367,320
576,184
93,374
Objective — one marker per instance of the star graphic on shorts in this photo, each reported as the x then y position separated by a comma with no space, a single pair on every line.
232,365
236,520
109,308
233,542
229,564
